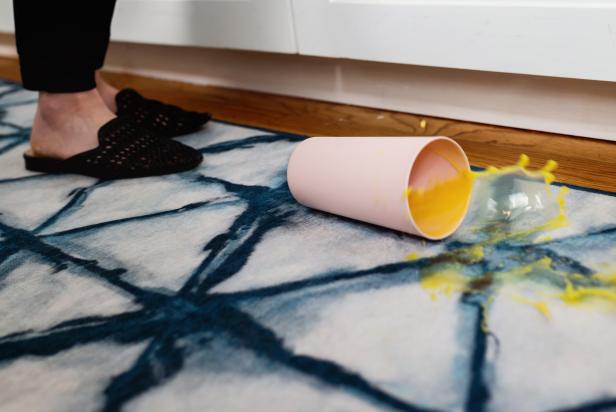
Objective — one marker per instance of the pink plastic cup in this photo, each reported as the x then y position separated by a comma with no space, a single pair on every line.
365,178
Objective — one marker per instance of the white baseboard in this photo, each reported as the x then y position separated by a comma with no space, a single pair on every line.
575,107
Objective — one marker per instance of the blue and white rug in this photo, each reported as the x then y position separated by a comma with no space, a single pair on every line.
213,290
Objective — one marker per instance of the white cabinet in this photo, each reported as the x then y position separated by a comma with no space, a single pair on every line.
6,16
560,38
575,38
265,25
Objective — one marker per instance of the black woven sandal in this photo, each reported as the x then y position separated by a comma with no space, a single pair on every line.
165,119
125,150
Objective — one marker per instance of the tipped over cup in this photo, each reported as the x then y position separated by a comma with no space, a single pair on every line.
417,185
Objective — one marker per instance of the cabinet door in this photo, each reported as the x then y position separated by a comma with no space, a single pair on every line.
6,16
563,38
265,25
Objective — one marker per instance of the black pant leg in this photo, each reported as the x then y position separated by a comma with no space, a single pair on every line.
61,43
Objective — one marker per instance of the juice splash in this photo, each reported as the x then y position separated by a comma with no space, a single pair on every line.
498,250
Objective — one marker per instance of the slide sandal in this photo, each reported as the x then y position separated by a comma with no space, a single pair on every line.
125,150
165,119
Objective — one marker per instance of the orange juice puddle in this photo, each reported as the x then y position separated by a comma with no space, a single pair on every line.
440,208
510,206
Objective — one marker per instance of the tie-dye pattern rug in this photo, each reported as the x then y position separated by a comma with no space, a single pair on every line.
212,290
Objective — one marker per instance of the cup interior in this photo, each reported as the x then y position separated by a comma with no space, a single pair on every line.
440,189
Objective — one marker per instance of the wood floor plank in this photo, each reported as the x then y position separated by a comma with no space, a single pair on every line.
9,69
583,162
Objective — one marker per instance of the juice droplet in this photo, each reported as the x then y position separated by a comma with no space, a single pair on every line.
524,161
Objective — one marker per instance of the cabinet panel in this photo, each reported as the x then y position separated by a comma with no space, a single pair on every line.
239,24
542,37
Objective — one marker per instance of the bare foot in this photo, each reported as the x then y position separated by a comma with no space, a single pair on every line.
107,92
66,124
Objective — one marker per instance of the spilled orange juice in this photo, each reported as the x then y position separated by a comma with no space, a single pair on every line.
442,205
499,249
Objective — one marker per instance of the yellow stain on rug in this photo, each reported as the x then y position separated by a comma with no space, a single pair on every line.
444,282
539,305
451,273
412,256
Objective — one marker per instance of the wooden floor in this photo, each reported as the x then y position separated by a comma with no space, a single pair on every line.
583,162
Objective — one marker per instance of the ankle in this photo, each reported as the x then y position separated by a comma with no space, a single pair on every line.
67,123
107,92
54,108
